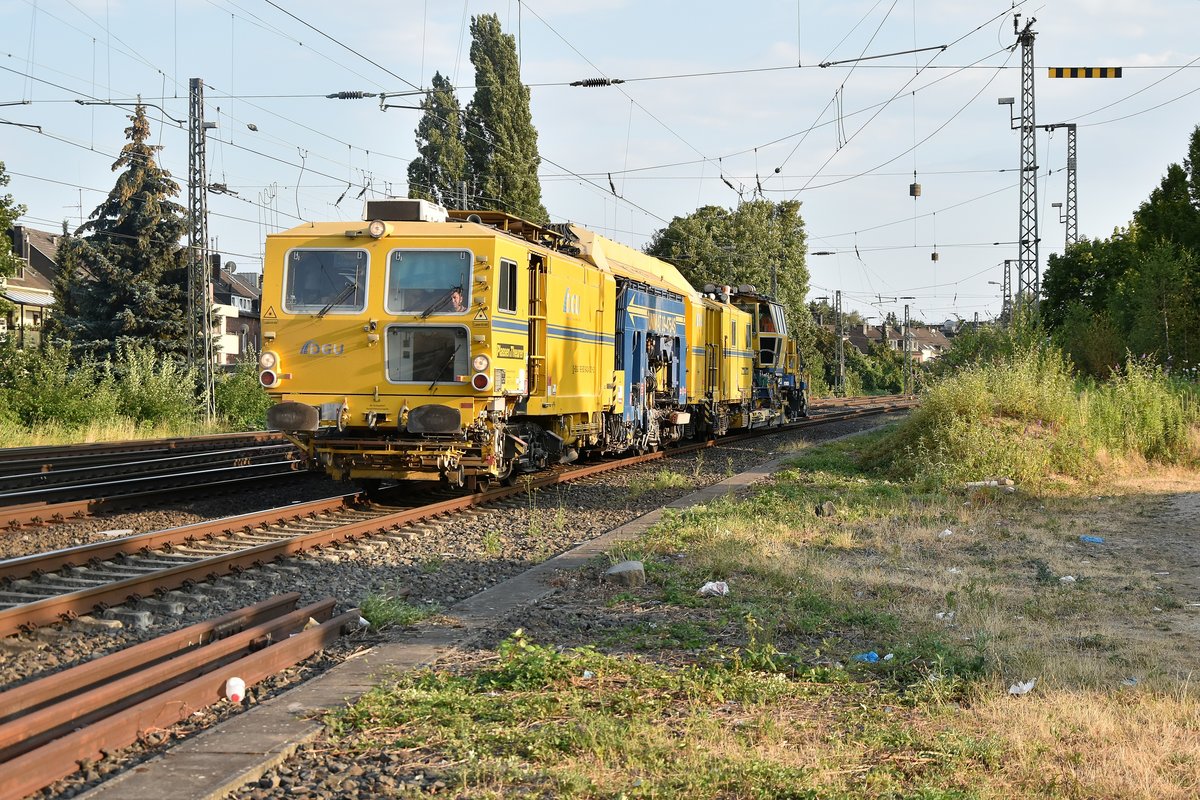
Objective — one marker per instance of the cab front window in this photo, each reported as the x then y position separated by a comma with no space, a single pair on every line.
325,281
426,282
427,354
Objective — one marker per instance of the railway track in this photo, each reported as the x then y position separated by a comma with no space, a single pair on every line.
52,724
43,485
46,588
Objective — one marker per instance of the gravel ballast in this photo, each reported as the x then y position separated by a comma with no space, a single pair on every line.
434,564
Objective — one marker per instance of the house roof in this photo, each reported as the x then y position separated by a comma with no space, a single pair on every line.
39,248
240,285
24,297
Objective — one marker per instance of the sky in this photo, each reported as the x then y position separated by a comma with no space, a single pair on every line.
720,103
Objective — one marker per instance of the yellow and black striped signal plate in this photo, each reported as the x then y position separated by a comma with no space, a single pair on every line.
1085,72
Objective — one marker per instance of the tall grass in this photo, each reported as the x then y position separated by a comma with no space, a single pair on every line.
1141,411
1025,416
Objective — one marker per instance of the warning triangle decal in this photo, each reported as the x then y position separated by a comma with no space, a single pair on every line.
269,313
480,316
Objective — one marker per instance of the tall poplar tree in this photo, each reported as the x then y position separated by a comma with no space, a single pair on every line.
438,171
123,275
501,141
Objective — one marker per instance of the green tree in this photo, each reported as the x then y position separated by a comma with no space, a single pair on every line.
1092,341
1162,300
123,275
1087,274
1168,215
501,142
747,244
438,171
9,211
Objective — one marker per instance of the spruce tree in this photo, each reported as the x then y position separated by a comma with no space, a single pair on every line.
501,140
123,274
438,171
9,211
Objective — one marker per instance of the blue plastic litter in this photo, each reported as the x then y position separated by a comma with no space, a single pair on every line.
869,658
1092,539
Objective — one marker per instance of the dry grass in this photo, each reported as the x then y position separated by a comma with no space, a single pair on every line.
120,429
757,694
1111,744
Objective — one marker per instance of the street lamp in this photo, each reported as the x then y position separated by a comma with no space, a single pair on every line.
179,122
1012,117
1062,217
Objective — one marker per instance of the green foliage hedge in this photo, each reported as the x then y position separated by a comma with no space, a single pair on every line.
48,386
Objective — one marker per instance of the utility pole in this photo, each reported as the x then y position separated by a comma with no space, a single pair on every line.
200,344
1028,283
839,386
1072,210
1006,303
907,355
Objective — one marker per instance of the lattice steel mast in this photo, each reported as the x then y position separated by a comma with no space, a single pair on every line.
1028,282
200,343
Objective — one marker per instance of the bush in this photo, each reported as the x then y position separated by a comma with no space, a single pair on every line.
154,390
241,400
1015,418
42,386
1142,411
1025,417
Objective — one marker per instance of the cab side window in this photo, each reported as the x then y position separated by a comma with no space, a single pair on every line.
508,285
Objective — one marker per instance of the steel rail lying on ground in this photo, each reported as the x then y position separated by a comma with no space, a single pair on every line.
41,692
49,744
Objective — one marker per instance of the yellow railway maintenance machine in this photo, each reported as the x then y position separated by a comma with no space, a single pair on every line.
434,344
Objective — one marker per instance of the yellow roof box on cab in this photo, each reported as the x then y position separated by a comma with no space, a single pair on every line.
404,210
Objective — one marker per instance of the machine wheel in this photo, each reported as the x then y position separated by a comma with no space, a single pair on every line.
371,487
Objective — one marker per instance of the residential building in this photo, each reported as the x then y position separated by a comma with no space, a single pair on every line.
31,289
236,299
926,343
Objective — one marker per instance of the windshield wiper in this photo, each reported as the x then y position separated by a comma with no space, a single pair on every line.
348,290
449,363
438,302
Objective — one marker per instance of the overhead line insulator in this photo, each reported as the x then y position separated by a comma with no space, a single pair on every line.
594,82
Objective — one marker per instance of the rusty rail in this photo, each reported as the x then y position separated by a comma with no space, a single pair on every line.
52,742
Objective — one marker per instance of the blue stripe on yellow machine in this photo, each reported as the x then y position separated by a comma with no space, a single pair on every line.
434,344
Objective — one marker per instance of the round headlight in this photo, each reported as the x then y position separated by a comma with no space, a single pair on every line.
268,360
377,228
480,362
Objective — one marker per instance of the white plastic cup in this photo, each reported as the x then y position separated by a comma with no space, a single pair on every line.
235,689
